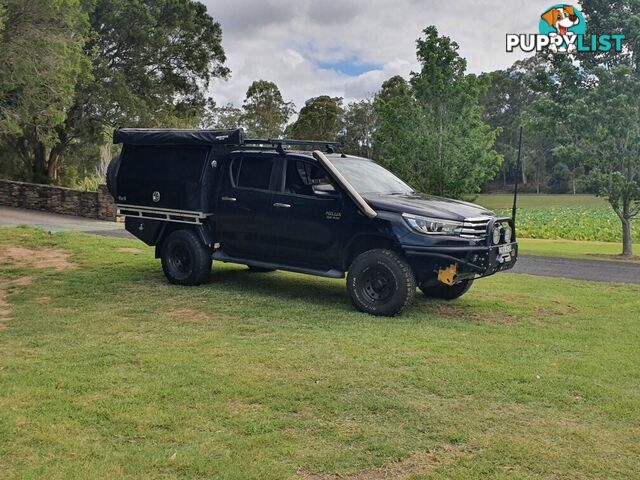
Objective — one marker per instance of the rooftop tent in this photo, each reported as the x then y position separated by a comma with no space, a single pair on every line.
166,136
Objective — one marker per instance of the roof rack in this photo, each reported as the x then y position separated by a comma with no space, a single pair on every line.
235,137
280,142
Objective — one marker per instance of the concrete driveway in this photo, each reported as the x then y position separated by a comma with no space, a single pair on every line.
53,222
594,270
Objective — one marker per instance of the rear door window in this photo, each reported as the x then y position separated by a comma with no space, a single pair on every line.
252,172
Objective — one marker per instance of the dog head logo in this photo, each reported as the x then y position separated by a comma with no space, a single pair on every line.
561,18
564,21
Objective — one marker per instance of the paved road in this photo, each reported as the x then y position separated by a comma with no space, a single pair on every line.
596,270
578,269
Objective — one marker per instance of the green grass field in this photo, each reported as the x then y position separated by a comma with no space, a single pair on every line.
527,200
575,249
106,371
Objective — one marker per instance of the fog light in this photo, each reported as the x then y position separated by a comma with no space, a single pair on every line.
497,231
508,233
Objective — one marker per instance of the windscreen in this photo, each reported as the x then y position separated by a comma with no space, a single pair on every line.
369,177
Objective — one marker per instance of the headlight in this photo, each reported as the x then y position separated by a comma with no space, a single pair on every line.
432,226
508,233
497,233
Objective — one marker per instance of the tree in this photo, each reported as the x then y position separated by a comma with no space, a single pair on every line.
557,82
221,118
559,178
151,63
605,121
265,113
3,17
458,154
359,128
397,140
319,119
41,61
504,102
606,133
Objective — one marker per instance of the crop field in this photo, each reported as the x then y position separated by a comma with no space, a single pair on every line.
568,217
107,371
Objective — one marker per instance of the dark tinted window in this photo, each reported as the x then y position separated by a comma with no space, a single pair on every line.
301,176
235,168
254,172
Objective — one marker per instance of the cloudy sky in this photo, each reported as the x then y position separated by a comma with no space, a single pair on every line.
347,48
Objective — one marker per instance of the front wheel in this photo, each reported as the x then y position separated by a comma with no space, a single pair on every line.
446,292
380,282
185,259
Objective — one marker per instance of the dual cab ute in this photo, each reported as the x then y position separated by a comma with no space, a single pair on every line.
202,195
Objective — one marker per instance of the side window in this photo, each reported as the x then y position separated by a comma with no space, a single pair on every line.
234,169
252,172
301,176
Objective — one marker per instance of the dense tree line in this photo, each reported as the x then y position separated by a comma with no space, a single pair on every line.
65,85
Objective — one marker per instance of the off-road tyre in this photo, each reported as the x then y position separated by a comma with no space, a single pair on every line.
112,171
446,292
380,282
185,259
253,269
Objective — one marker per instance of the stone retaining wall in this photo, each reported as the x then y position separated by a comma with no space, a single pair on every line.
53,199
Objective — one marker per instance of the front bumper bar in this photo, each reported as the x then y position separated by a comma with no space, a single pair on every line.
480,260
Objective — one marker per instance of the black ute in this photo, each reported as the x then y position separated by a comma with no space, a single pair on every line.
202,195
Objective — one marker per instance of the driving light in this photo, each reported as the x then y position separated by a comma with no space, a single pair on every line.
508,233
432,226
497,232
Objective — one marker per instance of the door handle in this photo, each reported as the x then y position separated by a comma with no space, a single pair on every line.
282,205
228,199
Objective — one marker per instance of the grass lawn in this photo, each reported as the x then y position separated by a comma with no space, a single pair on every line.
528,200
107,371
575,249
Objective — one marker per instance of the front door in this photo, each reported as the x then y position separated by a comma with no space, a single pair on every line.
308,219
245,205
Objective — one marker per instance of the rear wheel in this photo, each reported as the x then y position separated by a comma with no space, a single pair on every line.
112,171
380,282
446,292
185,259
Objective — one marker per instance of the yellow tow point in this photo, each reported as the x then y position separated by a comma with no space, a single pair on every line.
448,275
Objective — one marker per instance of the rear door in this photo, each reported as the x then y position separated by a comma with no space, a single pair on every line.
308,220
245,205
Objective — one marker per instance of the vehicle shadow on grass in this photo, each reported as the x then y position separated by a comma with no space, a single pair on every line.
302,291
305,290
287,286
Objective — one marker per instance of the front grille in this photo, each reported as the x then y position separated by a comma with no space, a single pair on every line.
475,227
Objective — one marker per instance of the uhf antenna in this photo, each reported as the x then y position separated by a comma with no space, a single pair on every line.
518,172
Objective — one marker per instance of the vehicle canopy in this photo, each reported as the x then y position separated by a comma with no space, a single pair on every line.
169,169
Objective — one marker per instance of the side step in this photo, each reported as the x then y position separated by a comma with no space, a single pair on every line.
223,257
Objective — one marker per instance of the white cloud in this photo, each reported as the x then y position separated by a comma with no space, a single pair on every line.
285,41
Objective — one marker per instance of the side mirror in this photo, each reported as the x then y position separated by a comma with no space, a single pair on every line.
325,190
